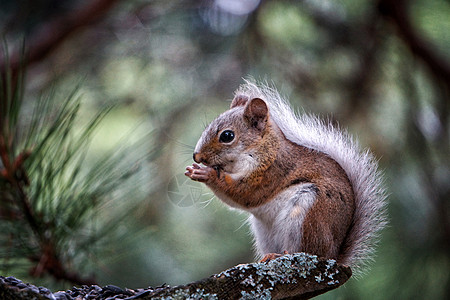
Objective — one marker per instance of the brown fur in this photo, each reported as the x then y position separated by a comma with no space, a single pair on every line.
281,163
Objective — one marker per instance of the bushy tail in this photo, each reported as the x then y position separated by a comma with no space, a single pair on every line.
370,215
360,166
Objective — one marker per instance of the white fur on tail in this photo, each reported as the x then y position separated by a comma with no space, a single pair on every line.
360,166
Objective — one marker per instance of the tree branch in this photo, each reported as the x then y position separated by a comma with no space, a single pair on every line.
54,32
396,11
299,276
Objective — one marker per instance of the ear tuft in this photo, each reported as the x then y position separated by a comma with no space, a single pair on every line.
239,100
257,113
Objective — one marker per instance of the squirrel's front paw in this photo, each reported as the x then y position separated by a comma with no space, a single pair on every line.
199,173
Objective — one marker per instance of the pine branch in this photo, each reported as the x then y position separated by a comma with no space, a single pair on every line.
48,197
16,178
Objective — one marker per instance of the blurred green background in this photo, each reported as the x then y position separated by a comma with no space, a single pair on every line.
378,68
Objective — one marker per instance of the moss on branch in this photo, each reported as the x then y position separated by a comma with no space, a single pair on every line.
299,275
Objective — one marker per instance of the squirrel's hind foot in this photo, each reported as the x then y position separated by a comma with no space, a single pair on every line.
270,256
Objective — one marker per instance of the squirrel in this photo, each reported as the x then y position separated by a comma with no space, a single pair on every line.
307,185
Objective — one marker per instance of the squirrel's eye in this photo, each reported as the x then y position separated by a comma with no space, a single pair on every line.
226,136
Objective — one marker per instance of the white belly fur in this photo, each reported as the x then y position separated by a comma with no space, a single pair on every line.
277,225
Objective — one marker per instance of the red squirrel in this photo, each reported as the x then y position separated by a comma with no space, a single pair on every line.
306,184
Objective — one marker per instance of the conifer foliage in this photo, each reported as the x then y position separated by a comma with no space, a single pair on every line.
49,198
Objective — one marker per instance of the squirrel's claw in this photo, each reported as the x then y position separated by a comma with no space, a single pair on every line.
198,173
271,256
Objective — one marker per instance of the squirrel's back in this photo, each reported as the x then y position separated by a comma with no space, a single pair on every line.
360,167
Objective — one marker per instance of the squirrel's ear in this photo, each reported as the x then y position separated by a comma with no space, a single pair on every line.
239,100
257,113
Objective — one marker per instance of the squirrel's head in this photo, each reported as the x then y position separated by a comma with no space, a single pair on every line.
236,140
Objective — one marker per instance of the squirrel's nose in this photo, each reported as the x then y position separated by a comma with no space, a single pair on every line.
197,157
